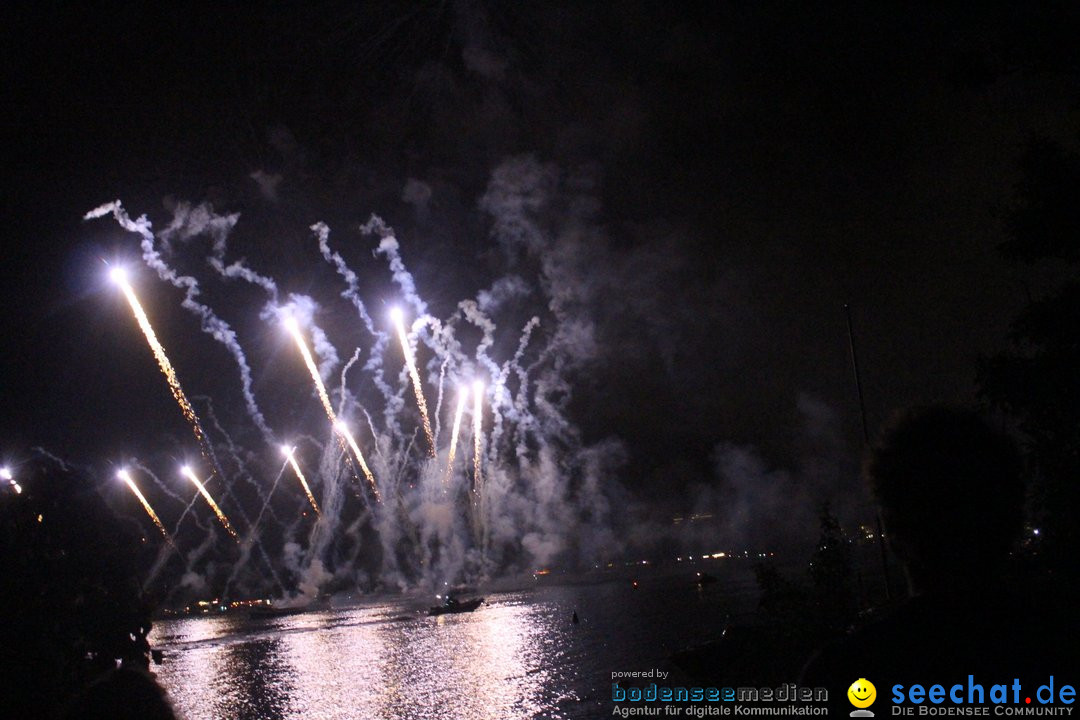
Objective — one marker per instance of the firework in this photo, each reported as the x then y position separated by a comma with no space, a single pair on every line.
344,435
6,474
190,475
410,362
288,451
463,396
119,276
294,328
417,534
126,477
343,431
478,423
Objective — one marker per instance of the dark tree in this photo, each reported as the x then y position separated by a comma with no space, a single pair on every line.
1035,380
72,604
832,575
1044,221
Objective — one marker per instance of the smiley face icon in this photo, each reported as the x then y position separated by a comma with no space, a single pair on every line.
862,693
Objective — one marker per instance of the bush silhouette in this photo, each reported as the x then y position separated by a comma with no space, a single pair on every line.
72,606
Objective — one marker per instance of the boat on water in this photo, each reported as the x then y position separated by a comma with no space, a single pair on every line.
272,611
453,605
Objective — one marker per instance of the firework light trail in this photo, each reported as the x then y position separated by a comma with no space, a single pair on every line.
289,454
6,474
190,475
126,477
294,328
478,423
119,276
343,430
410,361
463,396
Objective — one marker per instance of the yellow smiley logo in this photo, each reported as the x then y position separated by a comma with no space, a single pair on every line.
862,693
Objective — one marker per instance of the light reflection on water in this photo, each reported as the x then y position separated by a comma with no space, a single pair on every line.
518,656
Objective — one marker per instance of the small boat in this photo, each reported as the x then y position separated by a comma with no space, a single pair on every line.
453,605
273,611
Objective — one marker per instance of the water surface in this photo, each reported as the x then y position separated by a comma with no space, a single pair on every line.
517,656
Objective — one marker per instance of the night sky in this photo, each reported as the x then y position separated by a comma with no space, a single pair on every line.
745,169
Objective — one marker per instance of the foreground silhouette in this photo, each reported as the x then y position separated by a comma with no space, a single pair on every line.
951,497
72,607
123,694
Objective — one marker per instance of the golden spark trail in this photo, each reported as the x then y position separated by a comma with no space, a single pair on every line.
344,430
190,475
5,474
478,422
300,476
126,477
294,328
410,362
120,278
463,396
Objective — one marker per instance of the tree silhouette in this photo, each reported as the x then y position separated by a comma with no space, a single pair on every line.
832,575
1035,379
72,605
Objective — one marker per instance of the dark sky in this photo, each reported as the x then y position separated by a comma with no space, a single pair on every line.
752,167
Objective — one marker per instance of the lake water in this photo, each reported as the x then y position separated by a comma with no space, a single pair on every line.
517,656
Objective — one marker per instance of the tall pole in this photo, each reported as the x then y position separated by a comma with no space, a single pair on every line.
866,442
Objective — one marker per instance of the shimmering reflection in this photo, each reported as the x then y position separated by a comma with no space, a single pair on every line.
222,670
517,657
483,665
342,677
478,664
